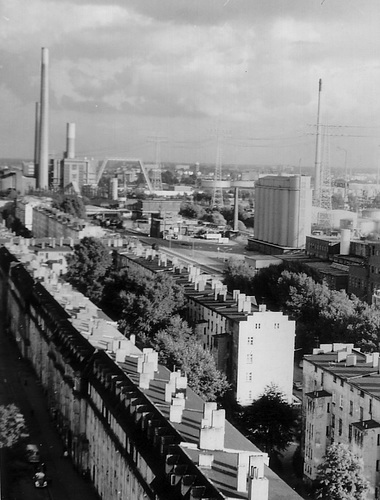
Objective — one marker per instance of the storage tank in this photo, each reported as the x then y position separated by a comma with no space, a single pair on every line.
345,239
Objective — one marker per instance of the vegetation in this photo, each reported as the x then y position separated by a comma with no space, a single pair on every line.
12,425
220,217
341,475
147,303
178,348
70,204
270,422
148,307
322,315
88,267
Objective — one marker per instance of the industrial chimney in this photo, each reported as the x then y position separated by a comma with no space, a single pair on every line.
236,209
37,138
43,166
70,141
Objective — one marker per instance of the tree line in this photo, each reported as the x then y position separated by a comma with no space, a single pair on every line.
322,315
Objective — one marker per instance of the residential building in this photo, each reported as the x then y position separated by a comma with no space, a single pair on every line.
253,346
130,426
51,222
341,403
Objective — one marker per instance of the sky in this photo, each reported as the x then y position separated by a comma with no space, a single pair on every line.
234,81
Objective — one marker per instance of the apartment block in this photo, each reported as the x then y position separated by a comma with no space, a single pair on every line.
50,222
134,428
341,404
253,346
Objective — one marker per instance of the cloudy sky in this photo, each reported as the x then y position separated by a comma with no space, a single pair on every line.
183,73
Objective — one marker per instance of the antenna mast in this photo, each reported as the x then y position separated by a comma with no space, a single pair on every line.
317,172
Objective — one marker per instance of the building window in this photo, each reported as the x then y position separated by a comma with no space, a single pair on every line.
248,376
333,421
328,407
378,440
334,379
250,358
322,378
377,465
340,401
349,432
340,427
361,414
257,325
250,340
370,406
351,407
341,382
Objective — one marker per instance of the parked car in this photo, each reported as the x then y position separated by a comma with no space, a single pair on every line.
40,479
32,453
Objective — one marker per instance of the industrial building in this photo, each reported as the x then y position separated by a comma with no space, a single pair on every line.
282,214
341,404
130,425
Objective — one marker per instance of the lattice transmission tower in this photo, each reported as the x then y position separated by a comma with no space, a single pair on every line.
156,174
217,198
324,218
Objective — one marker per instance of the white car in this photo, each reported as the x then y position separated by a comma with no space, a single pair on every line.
297,386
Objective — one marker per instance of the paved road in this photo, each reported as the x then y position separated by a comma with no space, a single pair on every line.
19,385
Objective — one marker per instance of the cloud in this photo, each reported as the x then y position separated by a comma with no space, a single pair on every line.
255,63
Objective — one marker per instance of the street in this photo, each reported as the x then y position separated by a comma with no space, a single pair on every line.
19,385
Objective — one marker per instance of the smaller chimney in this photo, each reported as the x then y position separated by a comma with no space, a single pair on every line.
70,141
205,460
351,360
375,359
212,428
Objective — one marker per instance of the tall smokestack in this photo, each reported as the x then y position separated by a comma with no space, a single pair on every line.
43,167
317,173
70,141
37,138
236,210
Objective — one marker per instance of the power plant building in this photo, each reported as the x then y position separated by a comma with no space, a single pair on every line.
282,213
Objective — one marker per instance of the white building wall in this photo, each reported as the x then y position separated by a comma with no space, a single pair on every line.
265,345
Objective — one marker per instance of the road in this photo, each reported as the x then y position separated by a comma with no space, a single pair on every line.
19,385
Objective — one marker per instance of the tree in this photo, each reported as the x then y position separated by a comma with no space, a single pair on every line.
337,201
12,425
215,217
148,303
70,204
178,348
191,210
270,422
238,275
341,475
88,267
168,177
